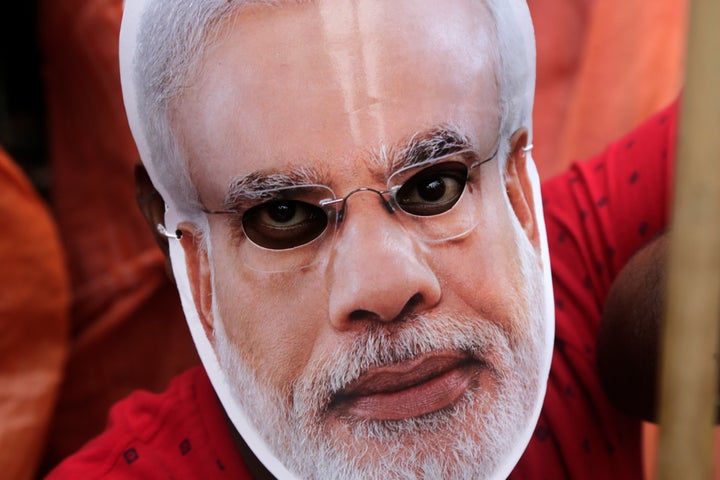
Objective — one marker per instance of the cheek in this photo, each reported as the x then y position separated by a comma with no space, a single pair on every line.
273,320
485,269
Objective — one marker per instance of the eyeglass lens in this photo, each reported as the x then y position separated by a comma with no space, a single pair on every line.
292,222
287,231
287,223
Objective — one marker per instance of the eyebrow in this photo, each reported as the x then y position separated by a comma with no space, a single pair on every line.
257,186
435,142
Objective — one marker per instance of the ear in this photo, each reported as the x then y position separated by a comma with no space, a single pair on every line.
152,206
519,187
199,276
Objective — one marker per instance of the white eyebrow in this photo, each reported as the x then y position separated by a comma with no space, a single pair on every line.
425,145
257,186
428,144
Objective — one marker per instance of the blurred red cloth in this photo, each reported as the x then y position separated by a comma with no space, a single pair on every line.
604,66
127,327
34,302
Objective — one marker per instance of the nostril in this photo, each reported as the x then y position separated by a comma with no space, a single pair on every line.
414,301
363,315
410,307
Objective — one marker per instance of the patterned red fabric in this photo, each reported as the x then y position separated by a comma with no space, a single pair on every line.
179,434
597,215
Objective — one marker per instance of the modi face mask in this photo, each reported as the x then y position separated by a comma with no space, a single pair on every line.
356,229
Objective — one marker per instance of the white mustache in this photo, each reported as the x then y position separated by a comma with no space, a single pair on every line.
382,345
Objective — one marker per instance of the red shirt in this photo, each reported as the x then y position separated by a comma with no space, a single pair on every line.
597,215
181,433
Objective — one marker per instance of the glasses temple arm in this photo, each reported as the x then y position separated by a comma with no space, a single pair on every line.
177,235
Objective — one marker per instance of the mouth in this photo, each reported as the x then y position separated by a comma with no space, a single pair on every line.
410,389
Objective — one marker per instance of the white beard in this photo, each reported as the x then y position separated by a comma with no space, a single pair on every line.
472,438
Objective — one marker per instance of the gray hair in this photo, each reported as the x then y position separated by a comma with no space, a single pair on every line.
174,34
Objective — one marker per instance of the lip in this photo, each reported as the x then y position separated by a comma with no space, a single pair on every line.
409,389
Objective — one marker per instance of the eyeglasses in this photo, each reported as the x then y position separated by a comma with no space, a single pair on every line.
437,200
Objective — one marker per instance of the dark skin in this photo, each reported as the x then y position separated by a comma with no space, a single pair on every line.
629,336
153,208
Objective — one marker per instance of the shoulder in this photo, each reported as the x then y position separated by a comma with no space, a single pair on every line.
176,434
598,214
601,211
622,193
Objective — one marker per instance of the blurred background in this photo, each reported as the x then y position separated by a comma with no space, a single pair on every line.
22,105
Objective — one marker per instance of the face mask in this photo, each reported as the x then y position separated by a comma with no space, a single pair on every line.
338,147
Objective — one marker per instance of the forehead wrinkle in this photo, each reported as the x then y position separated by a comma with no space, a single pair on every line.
255,186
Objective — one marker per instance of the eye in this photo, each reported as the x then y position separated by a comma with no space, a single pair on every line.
434,190
284,224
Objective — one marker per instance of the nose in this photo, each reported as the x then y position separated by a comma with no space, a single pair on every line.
378,270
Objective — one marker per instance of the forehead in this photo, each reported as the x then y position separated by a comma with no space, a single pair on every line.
330,81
